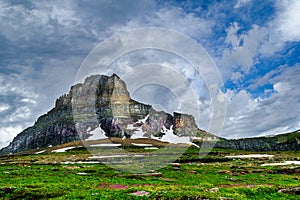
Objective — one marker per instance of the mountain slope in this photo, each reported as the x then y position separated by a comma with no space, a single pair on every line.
281,142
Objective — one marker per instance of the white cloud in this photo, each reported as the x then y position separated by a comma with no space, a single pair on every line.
177,19
4,107
50,40
27,100
261,81
21,113
274,131
16,84
172,18
242,48
236,76
17,105
288,19
254,116
282,88
241,3
8,133
21,23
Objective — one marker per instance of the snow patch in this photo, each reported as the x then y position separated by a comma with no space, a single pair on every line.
79,162
63,149
143,120
170,137
138,131
283,163
138,155
97,133
151,148
251,156
105,145
40,152
117,156
142,145
109,156
82,173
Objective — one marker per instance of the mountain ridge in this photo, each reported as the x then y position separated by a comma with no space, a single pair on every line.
280,142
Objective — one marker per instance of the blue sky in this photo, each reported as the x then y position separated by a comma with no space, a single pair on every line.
255,45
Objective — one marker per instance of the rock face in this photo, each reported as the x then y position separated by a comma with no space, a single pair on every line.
100,101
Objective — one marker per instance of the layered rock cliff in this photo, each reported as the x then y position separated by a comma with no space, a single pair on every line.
100,101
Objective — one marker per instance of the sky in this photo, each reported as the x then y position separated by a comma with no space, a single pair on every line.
254,44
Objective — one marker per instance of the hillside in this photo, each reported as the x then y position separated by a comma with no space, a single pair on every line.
281,142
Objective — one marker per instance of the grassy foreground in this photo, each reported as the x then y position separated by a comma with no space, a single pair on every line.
42,176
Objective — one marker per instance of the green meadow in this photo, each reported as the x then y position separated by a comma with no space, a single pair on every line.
46,176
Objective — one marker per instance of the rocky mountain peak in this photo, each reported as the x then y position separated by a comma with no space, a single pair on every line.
99,101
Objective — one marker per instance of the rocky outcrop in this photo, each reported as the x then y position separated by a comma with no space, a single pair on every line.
100,100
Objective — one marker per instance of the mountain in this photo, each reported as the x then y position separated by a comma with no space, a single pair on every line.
281,142
101,102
